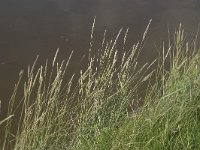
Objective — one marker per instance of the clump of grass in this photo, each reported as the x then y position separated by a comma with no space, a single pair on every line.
57,115
93,113
169,118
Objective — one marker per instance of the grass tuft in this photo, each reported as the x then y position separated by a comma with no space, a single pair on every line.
99,111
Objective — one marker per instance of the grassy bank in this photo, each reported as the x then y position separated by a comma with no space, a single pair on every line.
100,110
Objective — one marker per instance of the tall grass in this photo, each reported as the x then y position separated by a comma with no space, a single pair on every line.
169,119
97,111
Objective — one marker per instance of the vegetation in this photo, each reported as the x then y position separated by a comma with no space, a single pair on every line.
101,110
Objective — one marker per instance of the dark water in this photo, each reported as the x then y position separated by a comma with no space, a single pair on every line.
31,27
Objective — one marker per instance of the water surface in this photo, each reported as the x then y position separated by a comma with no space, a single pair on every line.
31,27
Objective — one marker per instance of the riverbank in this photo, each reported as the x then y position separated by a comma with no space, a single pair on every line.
101,111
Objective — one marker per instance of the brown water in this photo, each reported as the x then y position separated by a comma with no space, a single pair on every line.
31,27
